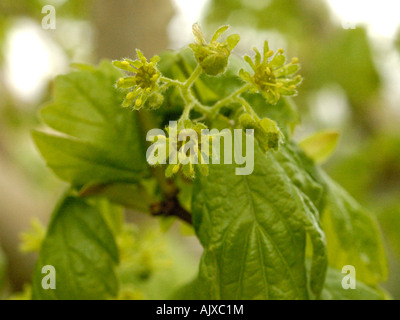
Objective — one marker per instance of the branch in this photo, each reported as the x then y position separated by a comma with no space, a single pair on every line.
171,207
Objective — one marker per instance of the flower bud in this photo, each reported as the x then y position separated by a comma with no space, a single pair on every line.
213,57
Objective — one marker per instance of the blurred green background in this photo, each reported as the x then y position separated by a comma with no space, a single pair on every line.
350,62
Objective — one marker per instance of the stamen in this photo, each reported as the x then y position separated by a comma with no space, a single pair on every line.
175,169
130,96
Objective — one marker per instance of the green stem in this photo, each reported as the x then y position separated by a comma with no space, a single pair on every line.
190,100
186,111
172,82
229,99
202,108
189,81
192,103
247,107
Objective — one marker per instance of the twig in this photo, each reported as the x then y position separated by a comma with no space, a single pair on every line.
171,207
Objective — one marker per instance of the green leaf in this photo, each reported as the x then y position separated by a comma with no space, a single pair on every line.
82,250
153,263
100,140
352,233
113,214
333,289
302,172
80,162
353,236
320,146
253,230
305,177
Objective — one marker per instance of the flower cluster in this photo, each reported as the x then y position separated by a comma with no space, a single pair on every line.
213,57
186,145
272,77
143,84
266,131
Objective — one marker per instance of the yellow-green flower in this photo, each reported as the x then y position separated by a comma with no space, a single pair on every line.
213,57
272,77
143,85
185,146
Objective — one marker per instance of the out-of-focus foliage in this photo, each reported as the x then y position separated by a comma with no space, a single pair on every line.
3,265
10,10
299,19
33,8
153,265
31,240
17,115
377,167
390,221
397,42
320,145
334,291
